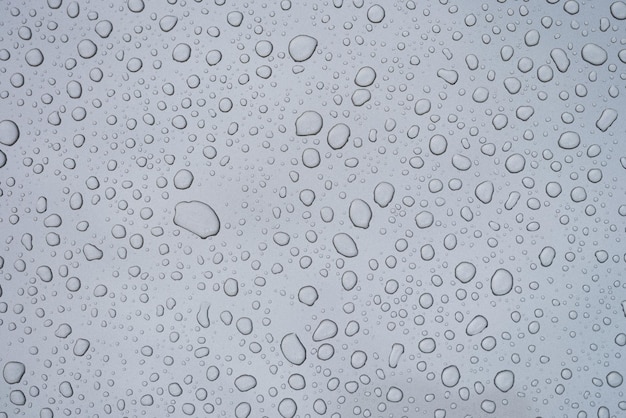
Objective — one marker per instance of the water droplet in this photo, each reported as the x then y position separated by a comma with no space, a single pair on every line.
365,77
394,394
606,119
569,140
614,379
87,49
501,282
594,54
197,217
168,22
465,271
450,76
309,123
9,132
504,380
245,382
345,245
213,57
13,372
427,345
287,408
484,191
302,47
34,57
234,19
618,10
438,144
338,136
92,252
325,330
450,376
360,213
292,349
560,59
349,280
136,6
308,295
376,13
181,52
476,325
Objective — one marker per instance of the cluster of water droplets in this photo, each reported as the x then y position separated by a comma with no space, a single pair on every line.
297,209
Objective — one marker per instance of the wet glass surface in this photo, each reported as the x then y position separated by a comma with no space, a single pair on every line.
320,208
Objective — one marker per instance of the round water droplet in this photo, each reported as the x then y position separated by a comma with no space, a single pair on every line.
504,380
501,282
594,54
136,6
234,19
309,123
427,345
461,162
104,28
578,194
92,252
360,213
422,106
360,97
311,158
614,379
34,57
365,77
287,408
87,49
484,192
338,136
546,256
515,163
480,95
358,359
168,22
349,280
302,47
383,194
245,382
450,76
376,13
532,37
197,217
606,119
308,295
325,330
450,376
438,144
9,132
183,179
465,271
213,57
569,140
424,219
394,394
231,287
292,349
345,245
13,372
181,52
476,325
618,10
81,346
264,48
